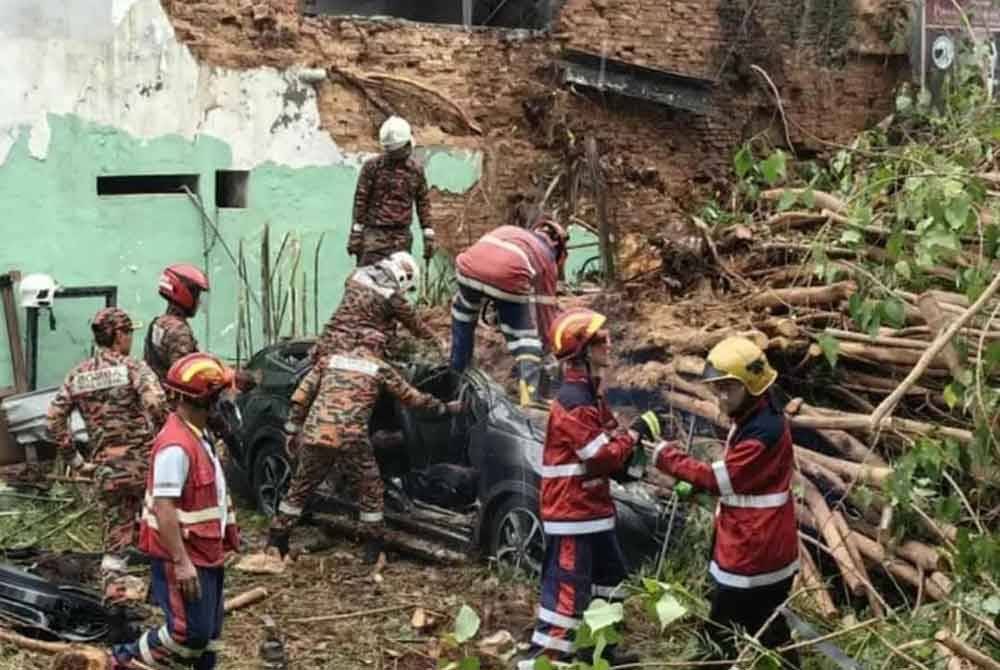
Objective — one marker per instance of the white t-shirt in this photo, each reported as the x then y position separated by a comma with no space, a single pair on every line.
170,470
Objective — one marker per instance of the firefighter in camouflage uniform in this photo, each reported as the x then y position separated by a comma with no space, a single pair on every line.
123,407
170,337
374,301
328,428
388,188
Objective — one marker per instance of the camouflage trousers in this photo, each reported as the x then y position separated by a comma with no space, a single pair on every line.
120,490
355,462
380,242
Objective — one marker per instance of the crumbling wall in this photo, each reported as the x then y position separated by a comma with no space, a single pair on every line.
498,91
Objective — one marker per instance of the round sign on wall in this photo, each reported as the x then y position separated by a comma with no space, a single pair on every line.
943,52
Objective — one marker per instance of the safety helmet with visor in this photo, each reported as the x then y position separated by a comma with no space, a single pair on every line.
740,359
199,377
181,284
38,290
574,330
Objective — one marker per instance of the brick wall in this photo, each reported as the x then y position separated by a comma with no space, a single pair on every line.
835,78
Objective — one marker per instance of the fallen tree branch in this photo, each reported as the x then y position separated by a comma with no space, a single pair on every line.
821,199
937,322
809,296
836,544
963,649
244,599
472,125
350,615
889,404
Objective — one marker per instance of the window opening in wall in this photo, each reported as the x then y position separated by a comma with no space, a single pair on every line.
525,14
147,184
231,188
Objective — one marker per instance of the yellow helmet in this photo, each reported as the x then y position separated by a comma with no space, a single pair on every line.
739,358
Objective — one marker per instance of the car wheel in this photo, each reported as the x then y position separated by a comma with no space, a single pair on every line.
517,542
272,472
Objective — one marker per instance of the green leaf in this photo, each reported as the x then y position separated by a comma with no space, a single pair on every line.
951,396
902,269
831,348
469,663
894,312
991,605
850,236
957,212
466,624
991,356
808,197
894,246
788,199
743,161
543,663
942,238
602,614
668,610
773,168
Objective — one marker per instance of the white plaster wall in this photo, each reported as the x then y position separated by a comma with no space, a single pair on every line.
118,63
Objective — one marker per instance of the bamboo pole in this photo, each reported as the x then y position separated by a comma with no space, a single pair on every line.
836,544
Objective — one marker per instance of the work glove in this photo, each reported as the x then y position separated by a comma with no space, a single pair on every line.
355,244
648,427
292,440
429,247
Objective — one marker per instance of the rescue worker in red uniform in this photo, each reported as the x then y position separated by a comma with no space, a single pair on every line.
584,446
188,525
755,555
517,269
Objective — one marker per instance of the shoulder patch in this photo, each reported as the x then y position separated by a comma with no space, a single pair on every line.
99,380
576,394
353,364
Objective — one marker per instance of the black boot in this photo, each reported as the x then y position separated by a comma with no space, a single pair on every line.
372,549
613,654
279,539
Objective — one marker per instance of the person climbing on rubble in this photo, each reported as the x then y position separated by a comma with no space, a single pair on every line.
584,446
755,554
388,188
327,429
374,301
517,269
123,407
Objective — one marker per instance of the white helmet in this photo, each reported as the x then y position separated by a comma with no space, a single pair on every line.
38,290
395,133
403,269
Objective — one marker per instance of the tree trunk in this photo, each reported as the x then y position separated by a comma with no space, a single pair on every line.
820,295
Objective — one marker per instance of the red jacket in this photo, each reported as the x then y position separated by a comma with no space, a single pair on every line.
582,448
515,265
756,535
199,510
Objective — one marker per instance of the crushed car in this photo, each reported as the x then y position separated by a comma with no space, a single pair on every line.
469,483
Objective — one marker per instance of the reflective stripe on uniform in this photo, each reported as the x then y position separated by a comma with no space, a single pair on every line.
513,248
515,332
353,364
528,664
461,316
556,619
370,517
176,648
764,501
492,291
722,478
524,342
616,592
578,527
548,642
289,509
568,470
751,581
591,448
144,651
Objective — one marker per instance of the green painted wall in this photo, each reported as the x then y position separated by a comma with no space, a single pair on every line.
54,222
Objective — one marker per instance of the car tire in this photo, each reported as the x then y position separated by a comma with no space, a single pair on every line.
516,539
272,472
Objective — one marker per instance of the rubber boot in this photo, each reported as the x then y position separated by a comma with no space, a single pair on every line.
279,539
372,550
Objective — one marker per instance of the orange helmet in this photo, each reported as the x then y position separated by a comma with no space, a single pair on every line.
574,330
199,376
180,285
557,235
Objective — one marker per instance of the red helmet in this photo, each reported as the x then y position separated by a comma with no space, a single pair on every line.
574,329
199,376
557,235
180,285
